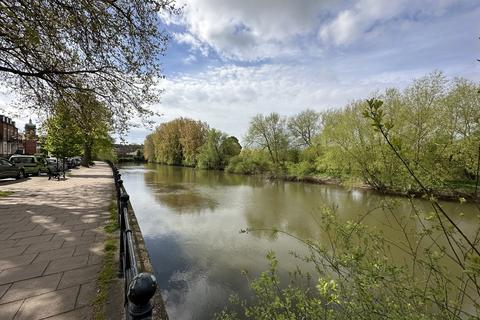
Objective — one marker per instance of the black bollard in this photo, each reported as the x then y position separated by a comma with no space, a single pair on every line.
123,205
119,189
140,291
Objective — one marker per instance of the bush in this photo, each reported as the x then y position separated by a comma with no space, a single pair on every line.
301,169
249,162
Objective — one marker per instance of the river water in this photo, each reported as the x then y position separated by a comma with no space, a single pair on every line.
191,221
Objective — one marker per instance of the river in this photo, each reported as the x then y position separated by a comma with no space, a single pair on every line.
191,221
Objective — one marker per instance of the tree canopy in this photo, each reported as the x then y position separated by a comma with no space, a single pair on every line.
79,128
52,49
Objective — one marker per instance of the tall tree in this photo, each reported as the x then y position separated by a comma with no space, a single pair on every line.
63,136
270,133
94,120
109,49
217,150
304,127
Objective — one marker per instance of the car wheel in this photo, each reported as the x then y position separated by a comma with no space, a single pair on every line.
21,174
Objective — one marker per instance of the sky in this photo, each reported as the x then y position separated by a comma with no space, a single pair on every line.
229,60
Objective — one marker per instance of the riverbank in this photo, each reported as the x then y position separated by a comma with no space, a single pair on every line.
53,242
354,183
452,195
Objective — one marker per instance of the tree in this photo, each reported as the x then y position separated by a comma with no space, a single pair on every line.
93,119
217,150
63,137
109,49
177,142
231,147
269,133
304,127
192,136
149,148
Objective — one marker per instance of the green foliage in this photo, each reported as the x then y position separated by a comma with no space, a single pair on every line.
269,133
111,49
103,149
217,150
250,162
177,142
359,277
5,193
432,123
80,125
64,138
109,264
304,127
301,169
191,143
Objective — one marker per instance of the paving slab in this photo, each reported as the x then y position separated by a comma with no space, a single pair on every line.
16,261
8,310
54,254
51,246
48,304
67,264
14,251
87,291
79,276
24,272
32,287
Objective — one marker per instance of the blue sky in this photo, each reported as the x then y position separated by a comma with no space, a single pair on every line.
229,60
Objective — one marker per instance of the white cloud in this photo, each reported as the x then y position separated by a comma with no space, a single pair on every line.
249,29
189,39
369,17
252,30
228,97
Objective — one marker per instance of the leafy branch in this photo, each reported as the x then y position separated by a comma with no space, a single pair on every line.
375,113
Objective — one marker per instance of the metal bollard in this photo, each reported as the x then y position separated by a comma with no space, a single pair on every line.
123,205
119,191
140,291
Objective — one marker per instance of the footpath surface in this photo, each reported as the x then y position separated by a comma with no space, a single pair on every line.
51,244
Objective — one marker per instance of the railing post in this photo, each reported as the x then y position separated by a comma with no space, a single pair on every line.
140,291
123,206
119,194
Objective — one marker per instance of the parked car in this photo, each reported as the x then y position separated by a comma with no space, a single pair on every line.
55,165
9,170
77,161
31,165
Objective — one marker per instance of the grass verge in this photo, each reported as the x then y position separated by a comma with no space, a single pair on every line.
109,268
5,193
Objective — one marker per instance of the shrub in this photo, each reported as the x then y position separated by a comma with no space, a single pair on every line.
249,162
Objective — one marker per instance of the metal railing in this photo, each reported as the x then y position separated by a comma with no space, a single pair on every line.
139,288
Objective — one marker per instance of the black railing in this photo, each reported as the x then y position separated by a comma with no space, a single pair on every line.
139,288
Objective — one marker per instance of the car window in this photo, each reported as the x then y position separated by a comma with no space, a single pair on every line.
23,159
4,162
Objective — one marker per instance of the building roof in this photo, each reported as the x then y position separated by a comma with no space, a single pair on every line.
30,125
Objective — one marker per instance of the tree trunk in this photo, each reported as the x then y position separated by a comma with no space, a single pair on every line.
87,153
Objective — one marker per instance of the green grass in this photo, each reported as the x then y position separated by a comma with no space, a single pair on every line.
109,268
5,193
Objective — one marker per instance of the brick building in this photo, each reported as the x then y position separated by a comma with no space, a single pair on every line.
30,138
10,141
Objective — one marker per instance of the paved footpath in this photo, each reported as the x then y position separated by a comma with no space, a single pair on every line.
51,244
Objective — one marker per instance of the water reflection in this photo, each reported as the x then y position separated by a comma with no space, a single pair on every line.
191,220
